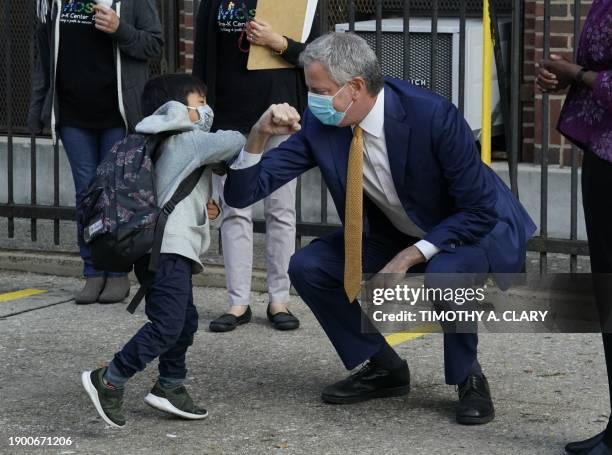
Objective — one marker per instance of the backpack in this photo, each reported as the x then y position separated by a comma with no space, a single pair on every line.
120,218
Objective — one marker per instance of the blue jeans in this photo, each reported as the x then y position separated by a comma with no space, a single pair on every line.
86,149
173,321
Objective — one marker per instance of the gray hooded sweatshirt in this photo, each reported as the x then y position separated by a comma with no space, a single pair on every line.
187,231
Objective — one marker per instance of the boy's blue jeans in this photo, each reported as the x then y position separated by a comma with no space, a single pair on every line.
86,148
173,321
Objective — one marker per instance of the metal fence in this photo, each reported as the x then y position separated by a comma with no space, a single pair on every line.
412,56
18,54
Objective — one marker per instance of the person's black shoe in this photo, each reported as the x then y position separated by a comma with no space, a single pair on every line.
228,322
599,449
580,447
367,383
475,405
283,320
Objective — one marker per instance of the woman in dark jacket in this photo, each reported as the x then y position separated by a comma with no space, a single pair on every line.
92,68
586,120
225,29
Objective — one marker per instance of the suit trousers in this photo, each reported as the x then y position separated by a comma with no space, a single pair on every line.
316,272
237,240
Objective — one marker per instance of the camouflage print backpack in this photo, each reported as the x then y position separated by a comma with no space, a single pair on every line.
120,218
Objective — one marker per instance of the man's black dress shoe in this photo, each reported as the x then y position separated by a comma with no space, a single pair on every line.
580,447
228,322
283,320
475,405
599,449
367,383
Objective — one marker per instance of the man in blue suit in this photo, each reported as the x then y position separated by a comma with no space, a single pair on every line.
403,170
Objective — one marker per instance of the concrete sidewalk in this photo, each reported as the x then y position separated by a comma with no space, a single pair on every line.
262,387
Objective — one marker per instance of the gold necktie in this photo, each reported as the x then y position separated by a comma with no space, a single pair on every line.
353,217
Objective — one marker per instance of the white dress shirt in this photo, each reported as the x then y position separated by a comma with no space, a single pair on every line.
377,180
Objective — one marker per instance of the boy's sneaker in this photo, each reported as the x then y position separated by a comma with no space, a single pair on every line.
174,401
107,401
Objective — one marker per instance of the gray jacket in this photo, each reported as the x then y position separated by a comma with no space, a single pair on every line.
187,231
137,40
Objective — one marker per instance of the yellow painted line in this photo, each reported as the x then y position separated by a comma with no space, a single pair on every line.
395,339
398,338
8,296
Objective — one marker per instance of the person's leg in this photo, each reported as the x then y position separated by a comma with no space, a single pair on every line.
172,367
81,146
237,241
117,286
169,394
166,306
463,268
317,272
107,139
279,211
166,303
596,175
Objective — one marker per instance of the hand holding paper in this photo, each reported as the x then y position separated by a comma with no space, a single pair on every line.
291,19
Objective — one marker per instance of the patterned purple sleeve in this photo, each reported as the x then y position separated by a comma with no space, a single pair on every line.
603,89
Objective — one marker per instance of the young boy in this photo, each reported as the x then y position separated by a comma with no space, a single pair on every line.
172,103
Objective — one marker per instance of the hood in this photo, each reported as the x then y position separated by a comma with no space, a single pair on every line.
172,116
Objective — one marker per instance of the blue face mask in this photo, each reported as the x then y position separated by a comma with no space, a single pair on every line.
322,107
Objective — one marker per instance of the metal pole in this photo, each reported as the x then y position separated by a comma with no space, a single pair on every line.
515,94
485,132
544,148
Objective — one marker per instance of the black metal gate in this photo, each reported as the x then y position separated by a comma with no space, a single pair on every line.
17,53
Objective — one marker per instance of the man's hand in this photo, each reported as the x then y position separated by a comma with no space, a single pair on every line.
106,19
394,271
279,119
404,260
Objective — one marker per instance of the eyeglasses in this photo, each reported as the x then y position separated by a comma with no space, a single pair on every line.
245,30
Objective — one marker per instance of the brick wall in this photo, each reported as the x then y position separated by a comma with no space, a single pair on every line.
187,11
561,42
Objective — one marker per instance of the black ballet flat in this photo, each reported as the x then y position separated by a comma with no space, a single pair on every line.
228,322
283,320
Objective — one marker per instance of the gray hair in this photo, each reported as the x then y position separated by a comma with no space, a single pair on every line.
345,56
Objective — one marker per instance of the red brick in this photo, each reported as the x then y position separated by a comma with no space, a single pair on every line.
555,41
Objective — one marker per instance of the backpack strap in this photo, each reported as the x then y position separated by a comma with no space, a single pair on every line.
183,190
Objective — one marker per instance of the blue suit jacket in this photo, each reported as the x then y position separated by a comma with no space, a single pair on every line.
438,174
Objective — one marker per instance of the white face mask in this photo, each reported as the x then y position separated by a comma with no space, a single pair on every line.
206,117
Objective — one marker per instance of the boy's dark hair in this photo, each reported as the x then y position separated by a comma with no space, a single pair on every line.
169,87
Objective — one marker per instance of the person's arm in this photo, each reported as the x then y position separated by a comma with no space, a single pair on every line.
558,73
469,186
213,147
295,48
474,195
601,83
262,34
247,184
40,78
141,41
